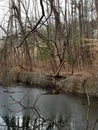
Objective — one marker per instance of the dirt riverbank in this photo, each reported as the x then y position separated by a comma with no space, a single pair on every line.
79,83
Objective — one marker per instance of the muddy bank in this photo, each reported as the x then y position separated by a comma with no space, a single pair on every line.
30,78
83,83
79,84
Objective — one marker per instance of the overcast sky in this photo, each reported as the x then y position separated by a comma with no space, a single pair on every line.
3,11
3,8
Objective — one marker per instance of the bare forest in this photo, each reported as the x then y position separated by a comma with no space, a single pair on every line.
50,36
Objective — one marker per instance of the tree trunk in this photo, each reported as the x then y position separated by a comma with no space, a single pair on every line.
96,5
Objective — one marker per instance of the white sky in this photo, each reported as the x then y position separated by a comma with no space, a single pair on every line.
3,11
3,8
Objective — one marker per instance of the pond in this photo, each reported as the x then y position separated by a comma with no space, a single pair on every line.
65,112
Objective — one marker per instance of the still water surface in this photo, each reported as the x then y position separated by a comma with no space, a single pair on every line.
71,110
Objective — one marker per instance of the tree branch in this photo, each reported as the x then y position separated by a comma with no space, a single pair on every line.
34,28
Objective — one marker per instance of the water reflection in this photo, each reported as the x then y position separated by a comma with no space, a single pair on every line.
34,108
34,123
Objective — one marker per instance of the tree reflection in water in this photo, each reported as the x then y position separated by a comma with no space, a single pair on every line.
32,123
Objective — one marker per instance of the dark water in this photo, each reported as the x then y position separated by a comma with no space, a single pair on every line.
71,111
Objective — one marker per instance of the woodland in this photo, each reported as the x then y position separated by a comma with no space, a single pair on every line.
55,37
50,44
